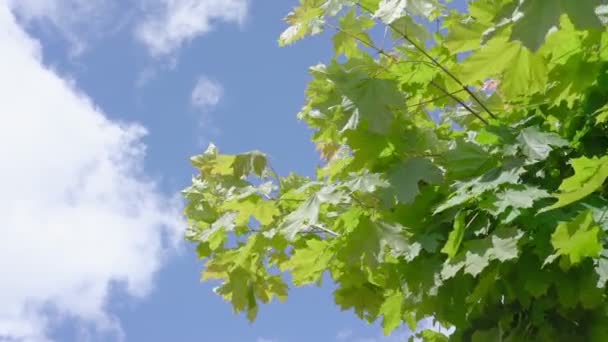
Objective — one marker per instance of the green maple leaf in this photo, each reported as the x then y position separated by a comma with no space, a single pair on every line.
371,240
308,264
537,145
292,182
352,30
303,20
490,181
518,198
392,310
240,291
307,214
373,100
486,284
577,239
263,211
521,71
212,163
476,255
366,182
456,235
540,17
245,164
407,25
391,10
364,298
393,237
464,35
467,159
215,235
433,336
404,179
333,7
589,176
577,75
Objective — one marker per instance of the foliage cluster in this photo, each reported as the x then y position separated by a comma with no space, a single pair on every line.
463,177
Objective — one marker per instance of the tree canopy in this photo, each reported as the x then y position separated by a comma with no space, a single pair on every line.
463,177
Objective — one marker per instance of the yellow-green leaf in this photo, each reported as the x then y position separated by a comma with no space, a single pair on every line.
589,176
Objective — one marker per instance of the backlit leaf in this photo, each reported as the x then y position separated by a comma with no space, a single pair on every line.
577,239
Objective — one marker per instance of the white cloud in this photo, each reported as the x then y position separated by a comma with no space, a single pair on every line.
163,26
206,93
262,339
78,21
77,214
171,23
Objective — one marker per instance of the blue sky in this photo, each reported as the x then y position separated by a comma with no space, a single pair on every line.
103,103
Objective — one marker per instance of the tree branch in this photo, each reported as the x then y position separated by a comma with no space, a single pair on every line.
433,99
326,230
436,63
435,84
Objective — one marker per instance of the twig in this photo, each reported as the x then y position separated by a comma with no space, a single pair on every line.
326,230
439,65
435,84
432,100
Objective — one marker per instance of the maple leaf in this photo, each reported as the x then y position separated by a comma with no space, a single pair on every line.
392,310
370,241
308,264
489,181
519,70
516,198
262,210
373,100
467,159
307,214
456,235
352,31
404,178
476,255
391,10
537,145
366,182
577,239
304,19
589,176
534,20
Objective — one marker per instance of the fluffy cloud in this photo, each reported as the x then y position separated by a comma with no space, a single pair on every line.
206,93
171,23
78,21
163,26
77,214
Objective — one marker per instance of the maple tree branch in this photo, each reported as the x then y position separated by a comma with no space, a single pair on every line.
326,230
434,83
433,99
464,105
436,63
471,220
